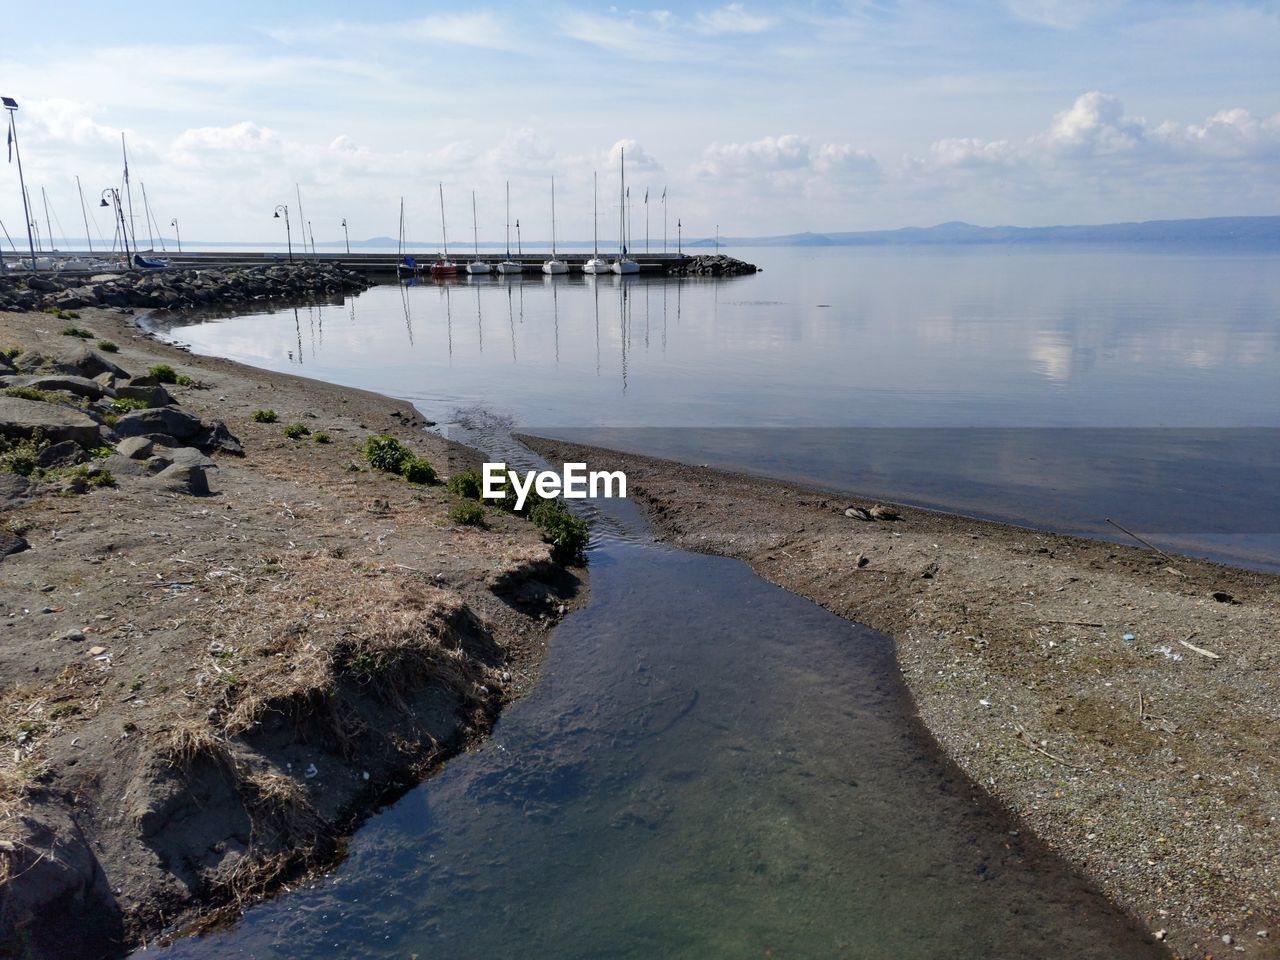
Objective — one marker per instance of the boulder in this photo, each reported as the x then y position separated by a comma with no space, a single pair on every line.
216,436
152,396
188,457
43,284
178,478
135,448
65,454
24,417
13,488
11,543
167,421
80,386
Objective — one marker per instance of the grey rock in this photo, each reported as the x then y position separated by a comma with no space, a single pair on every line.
177,478
11,543
152,396
216,436
43,284
65,454
13,488
189,457
69,383
170,421
24,417
135,448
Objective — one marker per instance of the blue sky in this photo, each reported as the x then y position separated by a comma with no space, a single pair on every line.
764,118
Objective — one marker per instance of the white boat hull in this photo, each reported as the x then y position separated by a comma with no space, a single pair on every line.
595,265
555,267
510,266
477,266
625,266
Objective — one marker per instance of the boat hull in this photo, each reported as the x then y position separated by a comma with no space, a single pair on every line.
477,266
595,265
555,267
510,266
625,266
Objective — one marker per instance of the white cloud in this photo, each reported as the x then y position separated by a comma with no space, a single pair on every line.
733,18
784,158
483,30
1058,14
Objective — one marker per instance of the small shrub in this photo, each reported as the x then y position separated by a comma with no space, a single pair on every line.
126,404
296,431
183,380
13,353
322,437
468,484
265,416
111,419
29,393
568,534
20,457
108,346
163,373
80,332
385,452
468,514
419,470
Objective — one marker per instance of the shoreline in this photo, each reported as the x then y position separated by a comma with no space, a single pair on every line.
1147,763
204,691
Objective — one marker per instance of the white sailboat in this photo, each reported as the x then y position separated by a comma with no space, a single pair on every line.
623,264
554,265
508,265
596,264
477,265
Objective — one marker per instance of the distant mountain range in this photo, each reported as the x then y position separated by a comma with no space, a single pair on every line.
1251,231
1216,231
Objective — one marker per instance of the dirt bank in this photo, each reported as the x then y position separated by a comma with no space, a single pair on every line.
202,691
1124,705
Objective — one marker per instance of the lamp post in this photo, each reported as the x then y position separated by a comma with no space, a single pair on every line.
312,234
114,194
679,238
11,105
177,233
346,236
288,231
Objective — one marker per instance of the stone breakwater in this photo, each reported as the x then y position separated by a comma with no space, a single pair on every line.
715,266
177,289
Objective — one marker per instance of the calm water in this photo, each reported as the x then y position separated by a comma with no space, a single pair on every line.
1049,387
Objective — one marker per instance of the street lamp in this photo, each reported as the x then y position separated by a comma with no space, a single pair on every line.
288,232
114,194
178,233
346,235
679,238
11,105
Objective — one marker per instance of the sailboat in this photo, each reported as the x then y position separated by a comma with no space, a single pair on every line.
554,265
508,265
623,264
443,267
406,267
595,264
477,265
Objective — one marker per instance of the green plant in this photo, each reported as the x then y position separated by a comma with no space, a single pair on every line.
163,373
296,431
469,514
322,438
20,457
64,711
568,534
111,419
384,452
29,393
13,353
126,404
419,470
80,332
183,380
265,416
108,346
467,484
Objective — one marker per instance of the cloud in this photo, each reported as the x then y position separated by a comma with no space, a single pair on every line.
782,158
483,30
733,18
1058,14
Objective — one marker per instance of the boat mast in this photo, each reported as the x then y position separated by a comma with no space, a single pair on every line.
400,236
595,216
84,213
444,236
44,198
553,217
128,190
475,230
508,219
622,204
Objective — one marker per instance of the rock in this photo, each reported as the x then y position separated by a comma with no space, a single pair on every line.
152,396
96,651
74,636
65,454
20,417
122,466
1228,939
190,457
135,448
1223,597
11,543
178,478
13,488
42,284
216,436
68,383
170,421
107,379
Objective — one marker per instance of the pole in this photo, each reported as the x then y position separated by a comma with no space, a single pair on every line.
312,232
177,232
128,190
679,238
44,198
664,220
346,235
146,212
288,232
717,239
84,213
646,219
519,249
13,133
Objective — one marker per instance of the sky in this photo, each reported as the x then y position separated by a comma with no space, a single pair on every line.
759,118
